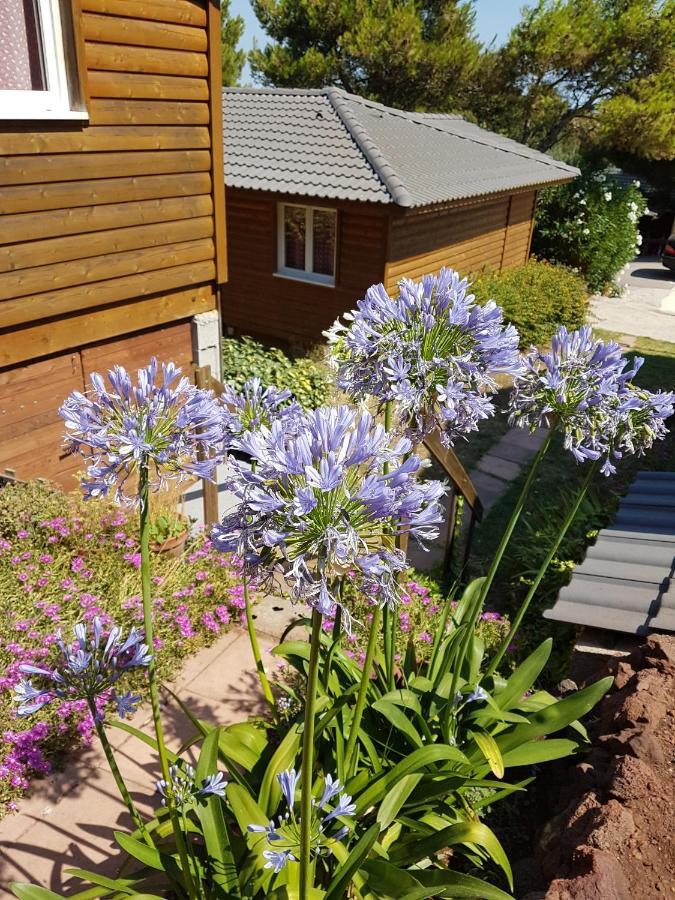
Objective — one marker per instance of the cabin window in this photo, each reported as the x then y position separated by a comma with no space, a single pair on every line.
35,61
307,237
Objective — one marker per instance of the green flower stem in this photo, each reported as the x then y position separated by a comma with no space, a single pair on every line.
255,647
350,752
389,624
253,638
308,760
569,518
117,775
146,592
472,615
513,521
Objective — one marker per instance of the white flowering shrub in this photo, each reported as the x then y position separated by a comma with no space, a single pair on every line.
590,225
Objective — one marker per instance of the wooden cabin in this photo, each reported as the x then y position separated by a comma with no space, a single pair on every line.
328,193
112,214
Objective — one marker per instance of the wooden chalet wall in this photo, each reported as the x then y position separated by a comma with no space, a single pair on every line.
488,234
113,228
269,306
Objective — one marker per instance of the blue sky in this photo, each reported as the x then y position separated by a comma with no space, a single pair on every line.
494,19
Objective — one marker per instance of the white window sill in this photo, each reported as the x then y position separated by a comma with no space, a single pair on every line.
307,278
70,115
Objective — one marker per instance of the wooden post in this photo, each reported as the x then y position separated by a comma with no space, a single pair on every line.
209,488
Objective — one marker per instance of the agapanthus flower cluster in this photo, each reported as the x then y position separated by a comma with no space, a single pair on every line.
254,406
182,787
164,425
87,669
317,505
284,834
583,386
431,349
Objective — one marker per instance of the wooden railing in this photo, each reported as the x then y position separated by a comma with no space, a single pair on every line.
462,490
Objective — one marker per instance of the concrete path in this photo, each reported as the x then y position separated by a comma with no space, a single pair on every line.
647,306
69,817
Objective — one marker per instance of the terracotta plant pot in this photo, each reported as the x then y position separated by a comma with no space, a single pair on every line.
172,546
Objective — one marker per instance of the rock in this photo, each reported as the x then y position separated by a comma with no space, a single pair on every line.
594,875
624,673
659,652
610,827
630,779
566,686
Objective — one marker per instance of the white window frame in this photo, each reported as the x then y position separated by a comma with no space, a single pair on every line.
305,274
53,103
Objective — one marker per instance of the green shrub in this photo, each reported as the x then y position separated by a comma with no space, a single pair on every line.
536,297
306,376
591,225
24,503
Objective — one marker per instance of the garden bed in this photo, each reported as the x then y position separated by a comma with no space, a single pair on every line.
62,561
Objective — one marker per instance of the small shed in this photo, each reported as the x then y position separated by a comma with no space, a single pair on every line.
328,193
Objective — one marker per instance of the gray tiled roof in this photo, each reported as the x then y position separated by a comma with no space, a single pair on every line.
327,143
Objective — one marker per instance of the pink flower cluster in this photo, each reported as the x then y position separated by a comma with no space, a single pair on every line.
64,570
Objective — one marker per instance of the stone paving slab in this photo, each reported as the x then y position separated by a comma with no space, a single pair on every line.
68,818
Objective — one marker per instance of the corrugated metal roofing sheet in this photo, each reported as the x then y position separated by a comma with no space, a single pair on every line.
328,143
625,582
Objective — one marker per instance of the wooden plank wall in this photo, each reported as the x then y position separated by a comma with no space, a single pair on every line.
108,228
31,432
519,231
259,303
467,238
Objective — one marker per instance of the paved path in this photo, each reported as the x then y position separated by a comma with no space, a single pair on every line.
647,306
69,817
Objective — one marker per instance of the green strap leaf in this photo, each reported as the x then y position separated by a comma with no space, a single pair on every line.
344,873
395,798
539,751
414,851
284,757
490,750
142,736
32,892
524,676
416,761
125,885
446,883
399,720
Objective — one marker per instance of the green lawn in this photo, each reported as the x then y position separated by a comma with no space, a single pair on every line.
557,483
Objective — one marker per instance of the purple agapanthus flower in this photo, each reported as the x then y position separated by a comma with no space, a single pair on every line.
86,669
431,349
181,787
121,427
284,835
254,406
583,386
316,505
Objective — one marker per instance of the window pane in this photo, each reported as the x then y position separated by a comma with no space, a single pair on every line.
294,237
21,65
324,242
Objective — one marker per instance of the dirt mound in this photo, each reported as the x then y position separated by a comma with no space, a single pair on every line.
613,837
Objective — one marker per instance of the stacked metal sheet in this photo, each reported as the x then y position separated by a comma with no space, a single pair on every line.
626,581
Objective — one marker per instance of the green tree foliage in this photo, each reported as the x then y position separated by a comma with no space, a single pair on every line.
407,54
574,71
231,31
590,225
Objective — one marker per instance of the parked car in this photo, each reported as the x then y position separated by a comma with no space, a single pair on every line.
668,253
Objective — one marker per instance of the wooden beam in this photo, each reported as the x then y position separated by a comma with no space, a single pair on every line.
136,86
28,284
70,194
34,170
86,328
182,12
107,138
122,58
34,226
147,112
14,257
142,33
217,171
